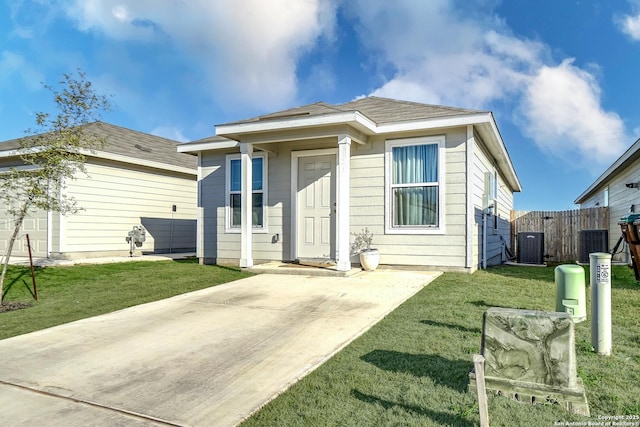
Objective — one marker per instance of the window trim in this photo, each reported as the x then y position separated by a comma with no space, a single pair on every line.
227,194
438,140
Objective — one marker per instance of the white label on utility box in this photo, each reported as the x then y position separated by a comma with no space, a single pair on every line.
602,273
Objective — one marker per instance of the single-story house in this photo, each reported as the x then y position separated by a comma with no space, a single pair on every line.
618,188
135,179
433,184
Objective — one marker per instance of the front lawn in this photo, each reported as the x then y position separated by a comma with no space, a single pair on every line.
411,369
66,294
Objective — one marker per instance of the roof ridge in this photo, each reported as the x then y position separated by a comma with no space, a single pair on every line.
408,102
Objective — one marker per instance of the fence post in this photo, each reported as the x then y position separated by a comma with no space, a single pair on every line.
33,275
478,364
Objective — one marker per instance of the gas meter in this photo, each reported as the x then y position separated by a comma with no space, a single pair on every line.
136,237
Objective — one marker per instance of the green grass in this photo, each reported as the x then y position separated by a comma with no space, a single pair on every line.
66,294
411,369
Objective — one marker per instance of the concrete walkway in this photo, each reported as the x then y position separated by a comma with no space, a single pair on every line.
207,358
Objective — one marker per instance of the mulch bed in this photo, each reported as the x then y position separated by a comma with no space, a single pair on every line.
12,306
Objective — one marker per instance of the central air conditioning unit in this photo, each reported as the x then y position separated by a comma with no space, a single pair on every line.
592,241
531,248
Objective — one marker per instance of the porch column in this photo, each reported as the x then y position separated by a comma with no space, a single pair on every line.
246,204
343,209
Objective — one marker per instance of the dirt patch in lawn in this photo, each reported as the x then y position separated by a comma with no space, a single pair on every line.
13,306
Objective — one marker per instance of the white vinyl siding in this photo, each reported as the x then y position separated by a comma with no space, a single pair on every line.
115,198
620,199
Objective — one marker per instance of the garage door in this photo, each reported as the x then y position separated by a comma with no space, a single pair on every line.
35,225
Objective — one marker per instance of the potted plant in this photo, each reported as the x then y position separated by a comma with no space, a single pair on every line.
369,257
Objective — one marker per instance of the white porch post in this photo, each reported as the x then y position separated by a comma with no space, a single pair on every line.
343,209
246,196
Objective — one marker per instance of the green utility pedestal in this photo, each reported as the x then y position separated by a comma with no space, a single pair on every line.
570,291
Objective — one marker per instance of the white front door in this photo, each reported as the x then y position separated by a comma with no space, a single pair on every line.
316,207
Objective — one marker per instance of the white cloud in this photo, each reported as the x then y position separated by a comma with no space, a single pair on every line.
248,48
630,25
452,59
439,55
170,133
436,51
562,109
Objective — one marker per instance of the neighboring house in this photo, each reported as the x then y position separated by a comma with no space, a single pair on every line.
618,188
134,179
417,176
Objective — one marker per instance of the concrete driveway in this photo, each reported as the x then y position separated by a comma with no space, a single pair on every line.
210,357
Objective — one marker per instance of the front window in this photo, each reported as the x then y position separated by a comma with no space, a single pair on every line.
414,187
234,180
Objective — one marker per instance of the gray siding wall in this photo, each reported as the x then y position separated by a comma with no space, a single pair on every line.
224,247
367,206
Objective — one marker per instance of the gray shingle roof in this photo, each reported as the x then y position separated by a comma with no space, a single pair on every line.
131,143
385,110
380,110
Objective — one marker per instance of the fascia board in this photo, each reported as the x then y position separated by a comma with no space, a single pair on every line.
111,156
506,159
22,168
203,146
615,167
17,152
436,122
350,117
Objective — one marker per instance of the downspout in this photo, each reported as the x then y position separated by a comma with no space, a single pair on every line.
49,224
200,252
470,218
484,239
485,213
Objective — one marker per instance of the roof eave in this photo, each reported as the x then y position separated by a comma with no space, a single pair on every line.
194,148
137,161
500,152
236,132
628,156
355,119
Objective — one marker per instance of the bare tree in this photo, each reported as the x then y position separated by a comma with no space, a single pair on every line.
52,153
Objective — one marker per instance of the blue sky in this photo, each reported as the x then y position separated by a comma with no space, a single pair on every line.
561,77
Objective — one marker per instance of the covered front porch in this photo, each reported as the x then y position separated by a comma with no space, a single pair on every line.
318,215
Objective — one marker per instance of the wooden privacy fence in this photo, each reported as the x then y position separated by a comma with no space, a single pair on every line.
561,229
